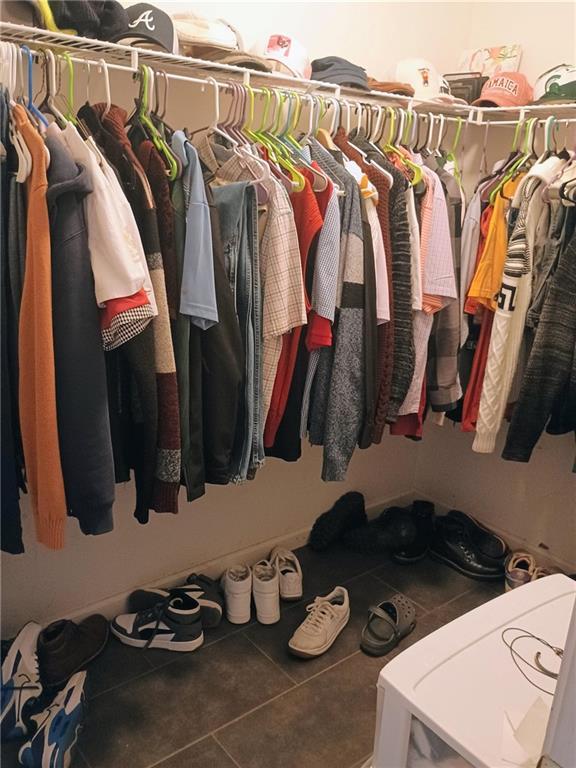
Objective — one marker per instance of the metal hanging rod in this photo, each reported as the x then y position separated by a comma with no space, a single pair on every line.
127,58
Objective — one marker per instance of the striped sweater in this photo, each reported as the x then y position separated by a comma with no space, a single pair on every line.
508,326
551,369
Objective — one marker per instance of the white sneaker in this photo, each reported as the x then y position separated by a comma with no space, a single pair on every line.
266,590
327,617
290,573
237,585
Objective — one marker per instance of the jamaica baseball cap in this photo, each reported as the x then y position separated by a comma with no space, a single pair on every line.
506,89
556,85
284,54
147,26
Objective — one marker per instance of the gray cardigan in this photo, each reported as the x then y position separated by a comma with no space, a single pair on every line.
551,370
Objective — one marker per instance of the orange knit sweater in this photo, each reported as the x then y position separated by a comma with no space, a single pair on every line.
37,385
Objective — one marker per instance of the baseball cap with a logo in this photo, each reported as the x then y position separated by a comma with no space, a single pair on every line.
148,25
426,81
506,89
556,85
285,54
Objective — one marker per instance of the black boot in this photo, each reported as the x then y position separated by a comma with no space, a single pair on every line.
391,531
348,512
421,514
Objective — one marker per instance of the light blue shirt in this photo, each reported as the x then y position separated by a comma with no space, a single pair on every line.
198,293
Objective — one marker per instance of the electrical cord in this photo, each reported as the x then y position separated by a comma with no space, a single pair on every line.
538,666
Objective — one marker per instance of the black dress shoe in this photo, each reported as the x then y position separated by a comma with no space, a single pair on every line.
347,513
491,546
421,514
452,545
386,534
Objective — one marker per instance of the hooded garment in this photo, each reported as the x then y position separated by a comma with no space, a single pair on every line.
81,394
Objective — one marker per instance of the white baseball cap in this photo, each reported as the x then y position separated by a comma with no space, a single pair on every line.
285,54
427,82
198,35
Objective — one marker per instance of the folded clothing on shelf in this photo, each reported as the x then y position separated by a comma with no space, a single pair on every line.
334,69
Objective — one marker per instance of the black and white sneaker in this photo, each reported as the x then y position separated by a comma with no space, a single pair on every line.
202,588
173,624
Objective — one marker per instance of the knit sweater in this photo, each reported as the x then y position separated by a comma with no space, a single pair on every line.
37,384
345,405
402,358
156,173
395,339
81,397
551,368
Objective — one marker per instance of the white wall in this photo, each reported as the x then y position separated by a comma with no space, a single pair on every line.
283,499
374,35
546,31
532,503
537,502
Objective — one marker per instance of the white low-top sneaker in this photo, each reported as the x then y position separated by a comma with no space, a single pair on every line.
290,573
266,591
327,617
236,583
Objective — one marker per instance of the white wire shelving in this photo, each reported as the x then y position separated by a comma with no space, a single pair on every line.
89,52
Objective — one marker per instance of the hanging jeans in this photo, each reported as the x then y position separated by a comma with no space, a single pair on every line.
238,214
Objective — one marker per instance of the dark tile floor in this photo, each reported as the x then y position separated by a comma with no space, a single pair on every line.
242,701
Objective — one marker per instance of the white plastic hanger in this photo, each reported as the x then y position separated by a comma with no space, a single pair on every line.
103,67
10,61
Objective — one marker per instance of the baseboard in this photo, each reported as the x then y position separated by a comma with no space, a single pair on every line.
116,604
544,558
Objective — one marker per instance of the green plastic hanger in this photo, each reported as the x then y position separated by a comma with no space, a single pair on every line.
148,125
69,99
527,153
391,148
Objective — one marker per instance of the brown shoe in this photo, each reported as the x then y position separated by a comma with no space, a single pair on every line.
65,647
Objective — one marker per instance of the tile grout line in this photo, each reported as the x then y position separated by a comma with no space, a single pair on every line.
178,751
362,761
424,611
223,748
87,763
271,660
279,695
214,733
154,667
452,599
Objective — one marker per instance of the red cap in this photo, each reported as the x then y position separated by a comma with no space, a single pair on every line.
506,89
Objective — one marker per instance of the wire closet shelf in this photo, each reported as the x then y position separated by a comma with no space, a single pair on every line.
88,52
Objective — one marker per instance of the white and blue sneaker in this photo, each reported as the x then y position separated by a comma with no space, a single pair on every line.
202,588
58,727
174,624
21,684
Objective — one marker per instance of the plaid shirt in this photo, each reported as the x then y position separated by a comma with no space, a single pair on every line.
283,305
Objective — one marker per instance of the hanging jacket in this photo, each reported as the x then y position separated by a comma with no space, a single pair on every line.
81,397
144,427
551,370
12,237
